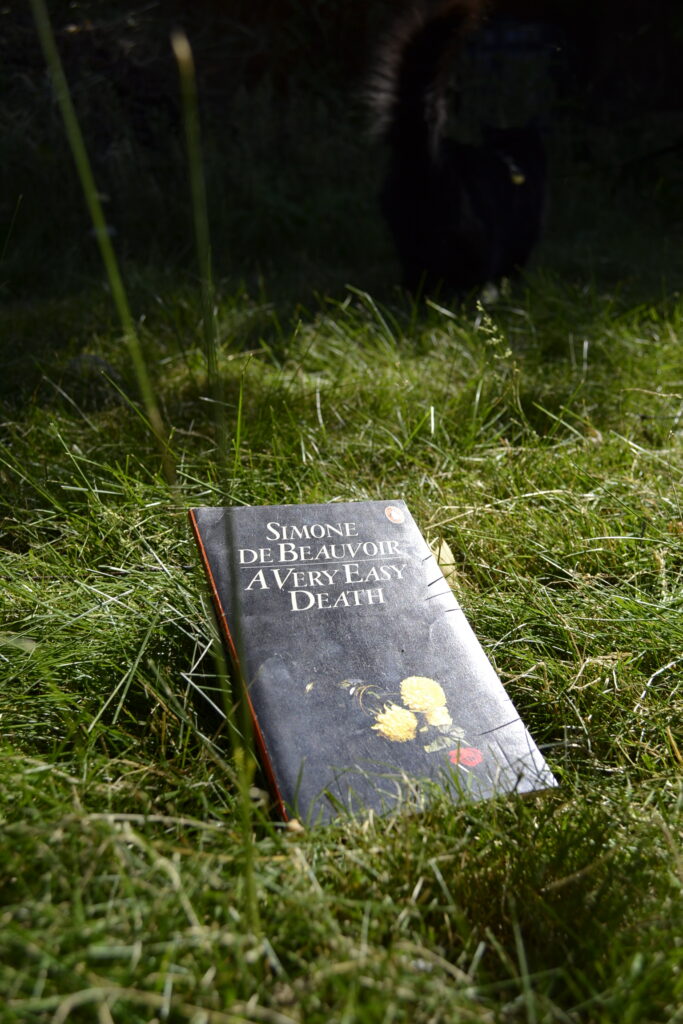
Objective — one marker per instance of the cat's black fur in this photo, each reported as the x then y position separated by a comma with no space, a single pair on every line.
461,215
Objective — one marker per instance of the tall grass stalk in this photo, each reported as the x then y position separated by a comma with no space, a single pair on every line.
188,87
92,199
235,704
239,726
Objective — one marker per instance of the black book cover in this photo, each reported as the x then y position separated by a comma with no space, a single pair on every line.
361,669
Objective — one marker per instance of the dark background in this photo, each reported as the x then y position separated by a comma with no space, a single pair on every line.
291,170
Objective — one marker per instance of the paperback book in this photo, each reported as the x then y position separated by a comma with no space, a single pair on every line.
362,675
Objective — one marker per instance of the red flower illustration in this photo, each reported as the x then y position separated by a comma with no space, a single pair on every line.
469,756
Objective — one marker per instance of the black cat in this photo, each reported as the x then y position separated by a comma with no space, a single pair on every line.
462,216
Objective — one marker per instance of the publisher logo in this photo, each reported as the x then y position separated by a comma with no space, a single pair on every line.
394,514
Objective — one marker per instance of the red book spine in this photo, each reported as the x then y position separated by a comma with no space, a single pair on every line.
265,759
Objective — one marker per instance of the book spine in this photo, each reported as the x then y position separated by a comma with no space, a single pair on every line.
232,649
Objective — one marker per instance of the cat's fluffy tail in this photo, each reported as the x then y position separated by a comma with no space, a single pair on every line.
408,90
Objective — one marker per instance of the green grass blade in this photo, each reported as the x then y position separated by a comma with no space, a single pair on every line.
91,195
188,87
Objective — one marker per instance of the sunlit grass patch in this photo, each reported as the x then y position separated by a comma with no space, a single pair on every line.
554,481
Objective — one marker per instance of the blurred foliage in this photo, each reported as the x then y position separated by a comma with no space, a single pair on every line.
291,173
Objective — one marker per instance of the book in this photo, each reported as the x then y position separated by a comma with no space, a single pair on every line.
362,674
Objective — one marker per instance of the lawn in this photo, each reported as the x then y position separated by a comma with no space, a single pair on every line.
142,875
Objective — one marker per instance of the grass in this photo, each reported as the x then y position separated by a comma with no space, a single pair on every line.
557,487
540,439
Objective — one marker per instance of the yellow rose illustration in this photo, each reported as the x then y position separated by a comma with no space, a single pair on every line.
425,695
438,717
420,693
396,723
